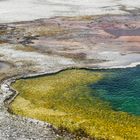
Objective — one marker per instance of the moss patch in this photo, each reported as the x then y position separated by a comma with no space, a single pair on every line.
66,101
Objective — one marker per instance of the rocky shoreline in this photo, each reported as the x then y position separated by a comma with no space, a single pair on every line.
49,131
25,128
16,127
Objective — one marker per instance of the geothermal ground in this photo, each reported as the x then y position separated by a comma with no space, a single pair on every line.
25,10
49,45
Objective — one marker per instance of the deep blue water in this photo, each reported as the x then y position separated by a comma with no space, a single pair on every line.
121,88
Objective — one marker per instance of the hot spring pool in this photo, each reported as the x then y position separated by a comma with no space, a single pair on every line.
121,89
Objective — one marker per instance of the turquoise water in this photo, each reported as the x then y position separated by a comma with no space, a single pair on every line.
121,88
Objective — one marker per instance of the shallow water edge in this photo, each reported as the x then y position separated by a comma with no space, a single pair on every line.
40,77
